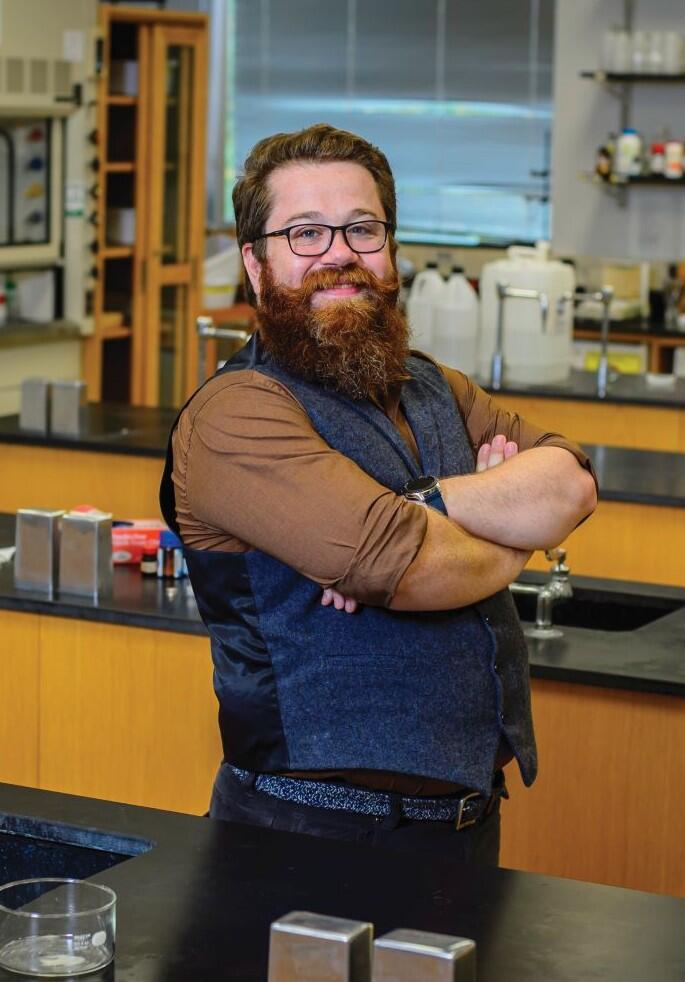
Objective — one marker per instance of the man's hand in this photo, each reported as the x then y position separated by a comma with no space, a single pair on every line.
492,454
331,596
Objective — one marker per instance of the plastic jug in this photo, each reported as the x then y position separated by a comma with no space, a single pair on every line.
455,341
537,349
426,291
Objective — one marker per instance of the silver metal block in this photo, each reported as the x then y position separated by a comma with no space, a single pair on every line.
37,539
307,947
34,411
410,956
85,559
66,417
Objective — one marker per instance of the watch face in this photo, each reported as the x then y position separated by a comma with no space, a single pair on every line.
420,484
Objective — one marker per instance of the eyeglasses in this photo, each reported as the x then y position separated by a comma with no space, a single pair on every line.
314,240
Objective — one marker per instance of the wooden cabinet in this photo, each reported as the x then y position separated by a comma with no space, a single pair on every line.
108,711
149,186
129,714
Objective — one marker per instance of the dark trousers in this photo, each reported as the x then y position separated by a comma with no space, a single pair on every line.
233,801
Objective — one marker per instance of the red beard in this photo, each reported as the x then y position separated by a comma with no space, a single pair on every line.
357,347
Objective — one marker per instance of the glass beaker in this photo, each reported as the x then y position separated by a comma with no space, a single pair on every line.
56,927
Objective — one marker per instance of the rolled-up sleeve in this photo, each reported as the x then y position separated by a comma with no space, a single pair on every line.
255,468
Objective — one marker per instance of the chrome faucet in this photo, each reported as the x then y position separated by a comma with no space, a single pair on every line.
604,296
557,587
506,292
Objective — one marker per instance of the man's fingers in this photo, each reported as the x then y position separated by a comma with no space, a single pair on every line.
340,602
510,449
497,450
493,454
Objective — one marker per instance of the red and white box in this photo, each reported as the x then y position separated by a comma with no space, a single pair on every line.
131,538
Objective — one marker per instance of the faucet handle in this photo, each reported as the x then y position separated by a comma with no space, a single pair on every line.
558,557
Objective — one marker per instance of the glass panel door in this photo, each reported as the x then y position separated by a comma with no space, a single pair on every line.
176,218
172,344
178,122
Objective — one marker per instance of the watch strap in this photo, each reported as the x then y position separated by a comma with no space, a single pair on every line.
435,500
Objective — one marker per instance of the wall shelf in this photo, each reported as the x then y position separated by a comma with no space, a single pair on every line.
626,78
117,252
644,180
119,167
115,333
618,84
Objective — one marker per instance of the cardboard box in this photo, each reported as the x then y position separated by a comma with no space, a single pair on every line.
131,538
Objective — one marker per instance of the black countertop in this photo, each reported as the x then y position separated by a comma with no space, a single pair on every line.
650,658
642,476
105,428
197,906
622,389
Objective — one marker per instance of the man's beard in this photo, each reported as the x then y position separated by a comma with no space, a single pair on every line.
355,346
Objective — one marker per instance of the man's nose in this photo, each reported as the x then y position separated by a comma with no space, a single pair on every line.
339,253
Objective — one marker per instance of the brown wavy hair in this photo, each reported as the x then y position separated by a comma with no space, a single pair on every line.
318,143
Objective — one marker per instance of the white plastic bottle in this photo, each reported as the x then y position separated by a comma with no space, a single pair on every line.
628,159
455,341
426,292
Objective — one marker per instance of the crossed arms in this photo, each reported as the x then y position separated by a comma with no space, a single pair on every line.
250,472
513,504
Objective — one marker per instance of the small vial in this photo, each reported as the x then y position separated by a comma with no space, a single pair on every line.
148,564
169,556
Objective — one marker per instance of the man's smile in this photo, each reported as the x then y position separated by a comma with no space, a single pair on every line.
341,291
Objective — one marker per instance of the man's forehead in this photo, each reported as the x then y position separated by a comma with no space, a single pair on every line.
309,189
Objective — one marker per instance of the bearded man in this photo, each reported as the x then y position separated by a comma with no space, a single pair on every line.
328,468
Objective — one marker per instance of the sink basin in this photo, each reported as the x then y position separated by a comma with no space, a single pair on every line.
30,848
601,611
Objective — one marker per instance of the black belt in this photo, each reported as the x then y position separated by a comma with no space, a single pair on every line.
463,809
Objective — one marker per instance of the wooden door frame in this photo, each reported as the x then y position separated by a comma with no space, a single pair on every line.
187,274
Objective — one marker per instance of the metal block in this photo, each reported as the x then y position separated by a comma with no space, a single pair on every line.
34,411
85,560
410,956
307,947
37,539
66,416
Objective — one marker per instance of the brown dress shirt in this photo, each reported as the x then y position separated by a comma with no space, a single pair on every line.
250,471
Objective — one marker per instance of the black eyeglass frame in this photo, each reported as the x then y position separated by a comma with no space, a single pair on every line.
332,229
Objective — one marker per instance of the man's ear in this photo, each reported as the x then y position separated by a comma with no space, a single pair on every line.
253,266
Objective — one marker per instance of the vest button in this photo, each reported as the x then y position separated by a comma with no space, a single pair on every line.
502,717
496,667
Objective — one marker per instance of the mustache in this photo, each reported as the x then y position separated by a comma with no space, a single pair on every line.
351,275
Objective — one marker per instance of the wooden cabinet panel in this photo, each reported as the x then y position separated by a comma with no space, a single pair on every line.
613,424
127,714
19,668
625,541
608,804
46,477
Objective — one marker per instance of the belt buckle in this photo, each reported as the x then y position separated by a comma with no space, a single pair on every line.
459,823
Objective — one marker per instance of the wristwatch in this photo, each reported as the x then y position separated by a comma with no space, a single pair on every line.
425,490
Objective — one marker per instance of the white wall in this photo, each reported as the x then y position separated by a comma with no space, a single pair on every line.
585,218
53,360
